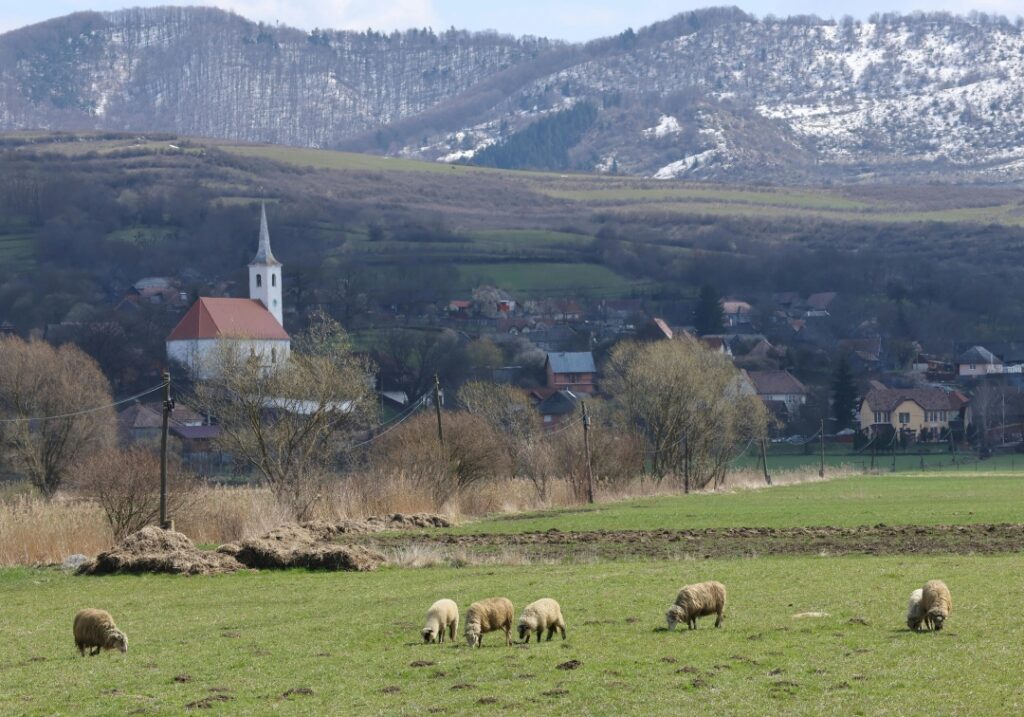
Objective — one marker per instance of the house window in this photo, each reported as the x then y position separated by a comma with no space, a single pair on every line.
273,279
904,418
547,419
882,416
259,280
973,367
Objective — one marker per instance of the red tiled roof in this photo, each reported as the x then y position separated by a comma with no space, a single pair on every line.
228,318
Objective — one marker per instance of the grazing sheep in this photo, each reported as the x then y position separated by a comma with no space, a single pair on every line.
442,615
695,601
95,629
544,614
915,615
486,616
936,604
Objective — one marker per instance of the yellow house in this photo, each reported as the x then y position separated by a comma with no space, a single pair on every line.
925,411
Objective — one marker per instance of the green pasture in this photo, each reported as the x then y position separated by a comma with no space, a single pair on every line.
16,250
927,498
548,279
303,643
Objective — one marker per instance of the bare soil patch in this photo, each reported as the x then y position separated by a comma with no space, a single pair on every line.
662,544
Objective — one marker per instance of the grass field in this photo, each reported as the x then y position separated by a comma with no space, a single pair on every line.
549,279
900,499
306,643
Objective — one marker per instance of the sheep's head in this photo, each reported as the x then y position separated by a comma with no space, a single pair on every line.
937,619
674,615
473,635
116,640
428,634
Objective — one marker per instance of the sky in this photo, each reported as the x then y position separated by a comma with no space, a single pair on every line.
574,20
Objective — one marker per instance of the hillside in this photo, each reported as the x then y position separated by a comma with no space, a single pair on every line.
715,94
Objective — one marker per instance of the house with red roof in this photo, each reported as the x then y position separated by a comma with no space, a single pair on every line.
253,326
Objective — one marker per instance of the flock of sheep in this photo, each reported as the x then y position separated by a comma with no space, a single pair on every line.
929,608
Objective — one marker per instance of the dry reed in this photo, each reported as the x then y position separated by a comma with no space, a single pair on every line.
35,531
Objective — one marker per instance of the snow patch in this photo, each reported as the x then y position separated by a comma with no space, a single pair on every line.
666,126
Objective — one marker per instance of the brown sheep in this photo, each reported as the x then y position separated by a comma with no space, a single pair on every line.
695,601
96,630
486,616
936,604
544,614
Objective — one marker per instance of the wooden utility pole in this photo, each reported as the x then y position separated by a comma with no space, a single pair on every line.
437,409
764,460
586,451
821,434
168,407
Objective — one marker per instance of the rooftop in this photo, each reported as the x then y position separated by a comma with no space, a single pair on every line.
572,362
214,318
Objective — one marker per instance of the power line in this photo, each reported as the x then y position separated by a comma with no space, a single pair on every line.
393,425
86,410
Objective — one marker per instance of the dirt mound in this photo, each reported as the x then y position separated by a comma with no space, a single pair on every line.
152,550
302,546
312,545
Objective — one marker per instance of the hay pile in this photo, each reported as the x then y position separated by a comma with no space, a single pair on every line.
309,545
152,550
302,546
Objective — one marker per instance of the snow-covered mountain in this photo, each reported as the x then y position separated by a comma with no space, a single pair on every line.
712,94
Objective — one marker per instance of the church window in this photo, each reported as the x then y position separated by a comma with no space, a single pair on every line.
273,279
274,303
259,280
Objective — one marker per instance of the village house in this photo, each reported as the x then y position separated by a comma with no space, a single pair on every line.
928,411
778,389
978,361
253,326
554,406
573,371
736,313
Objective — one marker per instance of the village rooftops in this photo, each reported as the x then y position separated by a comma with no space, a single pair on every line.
978,355
572,362
214,318
774,383
930,398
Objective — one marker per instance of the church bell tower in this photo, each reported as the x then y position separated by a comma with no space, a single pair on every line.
265,273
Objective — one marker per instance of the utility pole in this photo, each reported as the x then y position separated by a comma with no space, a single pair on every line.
437,409
586,451
821,433
895,435
168,407
764,460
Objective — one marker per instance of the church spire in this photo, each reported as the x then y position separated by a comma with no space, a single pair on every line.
263,254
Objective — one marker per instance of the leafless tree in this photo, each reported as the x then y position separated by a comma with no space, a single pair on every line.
44,395
292,423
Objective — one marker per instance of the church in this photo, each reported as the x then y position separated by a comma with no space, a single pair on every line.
253,325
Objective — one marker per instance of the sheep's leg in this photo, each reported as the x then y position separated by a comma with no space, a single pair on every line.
562,628
94,651
81,648
452,629
718,621
508,637
551,632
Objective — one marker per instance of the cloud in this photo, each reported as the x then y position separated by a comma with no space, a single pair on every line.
337,14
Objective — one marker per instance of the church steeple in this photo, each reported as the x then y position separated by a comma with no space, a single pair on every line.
265,273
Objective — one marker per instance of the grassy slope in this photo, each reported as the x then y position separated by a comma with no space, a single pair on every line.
901,499
348,637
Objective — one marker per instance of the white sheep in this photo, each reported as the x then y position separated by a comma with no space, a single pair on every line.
486,616
695,601
443,615
915,615
544,614
936,604
96,630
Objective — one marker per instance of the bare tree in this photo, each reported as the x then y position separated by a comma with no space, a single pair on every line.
44,395
292,423
689,402
126,484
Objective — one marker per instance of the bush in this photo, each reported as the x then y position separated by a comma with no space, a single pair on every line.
126,484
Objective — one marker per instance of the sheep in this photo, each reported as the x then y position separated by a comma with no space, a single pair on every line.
936,604
486,616
442,615
95,629
695,601
544,614
914,613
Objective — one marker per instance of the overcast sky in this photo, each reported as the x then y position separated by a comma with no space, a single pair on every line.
565,19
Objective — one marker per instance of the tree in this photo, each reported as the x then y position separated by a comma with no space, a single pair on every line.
43,394
126,484
708,317
515,423
844,394
689,402
292,424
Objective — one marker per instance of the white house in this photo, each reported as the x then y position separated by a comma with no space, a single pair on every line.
253,325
